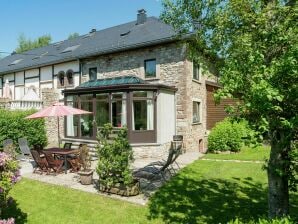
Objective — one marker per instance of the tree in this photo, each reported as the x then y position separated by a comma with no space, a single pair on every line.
25,44
73,36
253,45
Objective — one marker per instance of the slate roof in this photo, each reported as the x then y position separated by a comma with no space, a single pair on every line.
114,39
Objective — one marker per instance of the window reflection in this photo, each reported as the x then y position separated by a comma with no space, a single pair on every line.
72,122
86,119
102,109
143,111
118,101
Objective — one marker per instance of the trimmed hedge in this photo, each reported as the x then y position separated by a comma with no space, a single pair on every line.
230,135
13,125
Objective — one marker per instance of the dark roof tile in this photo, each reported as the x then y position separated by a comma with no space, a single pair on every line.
153,31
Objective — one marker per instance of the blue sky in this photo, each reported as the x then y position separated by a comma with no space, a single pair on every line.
59,18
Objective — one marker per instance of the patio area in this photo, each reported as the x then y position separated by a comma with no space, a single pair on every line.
71,180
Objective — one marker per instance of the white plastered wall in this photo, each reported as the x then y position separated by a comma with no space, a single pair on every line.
74,66
32,82
10,78
166,116
19,85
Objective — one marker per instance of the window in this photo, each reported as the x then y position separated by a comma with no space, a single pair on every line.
143,111
61,78
150,68
196,112
69,75
102,109
86,120
92,73
196,71
72,122
70,49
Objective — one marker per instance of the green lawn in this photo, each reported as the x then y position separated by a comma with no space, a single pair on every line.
215,192
203,192
257,153
41,203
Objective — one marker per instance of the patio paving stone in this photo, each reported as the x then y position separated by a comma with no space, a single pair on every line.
71,180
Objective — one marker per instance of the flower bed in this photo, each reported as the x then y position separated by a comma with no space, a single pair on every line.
9,176
7,221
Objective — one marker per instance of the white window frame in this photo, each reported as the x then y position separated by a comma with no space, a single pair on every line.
200,111
198,67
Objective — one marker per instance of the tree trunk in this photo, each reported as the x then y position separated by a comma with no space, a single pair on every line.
278,197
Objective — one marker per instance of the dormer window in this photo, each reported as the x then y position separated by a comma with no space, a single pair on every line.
61,79
69,75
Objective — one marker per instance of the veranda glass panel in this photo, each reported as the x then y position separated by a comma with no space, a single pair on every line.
118,109
143,115
102,113
102,109
72,121
86,97
87,119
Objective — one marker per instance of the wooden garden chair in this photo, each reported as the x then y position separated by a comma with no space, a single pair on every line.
55,164
75,160
41,163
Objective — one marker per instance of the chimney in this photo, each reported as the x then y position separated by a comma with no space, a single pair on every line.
141,17
93,31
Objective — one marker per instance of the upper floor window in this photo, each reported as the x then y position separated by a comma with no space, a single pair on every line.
196,71
61,78
92,73
196,112
150,68
69,75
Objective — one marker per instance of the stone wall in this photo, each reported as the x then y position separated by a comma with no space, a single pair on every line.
151,151
49,97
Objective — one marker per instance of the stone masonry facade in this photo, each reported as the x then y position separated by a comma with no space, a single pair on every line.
174,69
49,97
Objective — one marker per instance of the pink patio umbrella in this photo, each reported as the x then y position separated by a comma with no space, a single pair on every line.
57,110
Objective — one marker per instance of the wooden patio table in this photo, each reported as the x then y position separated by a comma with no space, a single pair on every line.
62,152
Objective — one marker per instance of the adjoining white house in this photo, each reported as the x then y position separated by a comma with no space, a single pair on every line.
136,74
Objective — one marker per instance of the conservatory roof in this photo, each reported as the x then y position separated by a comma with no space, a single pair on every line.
120,83
121,80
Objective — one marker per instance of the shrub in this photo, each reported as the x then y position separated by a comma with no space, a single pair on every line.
9,175
13,125
230,135
114,157
284,220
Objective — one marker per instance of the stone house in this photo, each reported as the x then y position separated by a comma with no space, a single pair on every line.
136,74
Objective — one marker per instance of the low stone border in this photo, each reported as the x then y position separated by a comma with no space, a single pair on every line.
232,160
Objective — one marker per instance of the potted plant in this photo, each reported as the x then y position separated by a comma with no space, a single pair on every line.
86,174
113,168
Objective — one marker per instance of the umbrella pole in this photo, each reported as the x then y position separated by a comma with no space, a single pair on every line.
58,132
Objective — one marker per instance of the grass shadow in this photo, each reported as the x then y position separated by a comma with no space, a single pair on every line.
188,200
13,211
185,200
